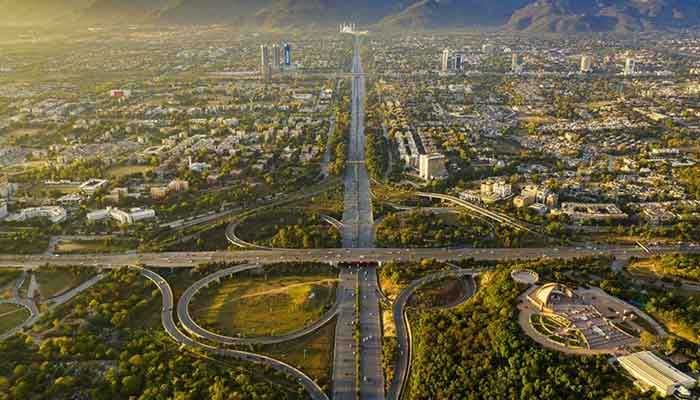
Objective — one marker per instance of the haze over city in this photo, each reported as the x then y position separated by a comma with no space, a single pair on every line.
349,200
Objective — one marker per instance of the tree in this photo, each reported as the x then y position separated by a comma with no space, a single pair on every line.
647,340
131,385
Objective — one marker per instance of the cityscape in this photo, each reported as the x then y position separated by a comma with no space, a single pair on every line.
358,201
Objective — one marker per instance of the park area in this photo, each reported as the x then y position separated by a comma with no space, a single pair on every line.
265,304
288,228
55,281
312,354
11,315
446,292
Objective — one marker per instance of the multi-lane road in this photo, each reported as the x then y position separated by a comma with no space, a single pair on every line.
345,348
372,379
358,221
192,259
358,232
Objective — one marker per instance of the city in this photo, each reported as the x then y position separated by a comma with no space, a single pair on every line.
349,203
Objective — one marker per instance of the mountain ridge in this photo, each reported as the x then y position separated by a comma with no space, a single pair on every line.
566,16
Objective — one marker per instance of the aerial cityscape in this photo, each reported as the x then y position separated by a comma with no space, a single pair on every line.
349,200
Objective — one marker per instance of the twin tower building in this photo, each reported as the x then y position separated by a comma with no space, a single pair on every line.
274,58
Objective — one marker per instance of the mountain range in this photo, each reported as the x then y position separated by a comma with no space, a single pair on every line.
520,15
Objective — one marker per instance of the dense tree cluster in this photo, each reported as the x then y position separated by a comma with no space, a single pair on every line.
425,229
404,273
289,229
306,237
684,266
376,154
28,241
690,179
478,352
338,140
104,358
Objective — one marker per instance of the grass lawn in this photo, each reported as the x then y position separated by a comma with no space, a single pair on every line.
19,133
8,276
253,306
441,293
95,246
11,315
312,354
126,170
53,282
11,245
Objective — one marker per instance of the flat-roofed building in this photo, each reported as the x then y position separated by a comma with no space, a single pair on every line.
55,214
432,166
92,186
651,371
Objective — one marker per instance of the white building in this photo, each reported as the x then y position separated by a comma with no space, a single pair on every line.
6,188
630,67
445,64
132,216
495,189
123,217
55,214
98,215
650,371
586,63
515,65
92,186
432,166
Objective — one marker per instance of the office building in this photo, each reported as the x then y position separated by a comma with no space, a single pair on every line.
287,55
276,56
488,49
264,62
123,217
432,166
6,188
178,185
92,186
55,214
652,372
459,61
445,64
515,66
630,67
586,64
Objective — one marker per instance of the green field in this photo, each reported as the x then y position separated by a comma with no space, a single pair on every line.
312,354
55,281
441,293
11,315
95,246
126,170
254,306
8,276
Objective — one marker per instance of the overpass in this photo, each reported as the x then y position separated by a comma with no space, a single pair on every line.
333,256
314,391
479,211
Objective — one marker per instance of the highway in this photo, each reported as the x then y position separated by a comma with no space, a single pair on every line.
358,221
314,391
191,259
372,379
402,367
344,349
